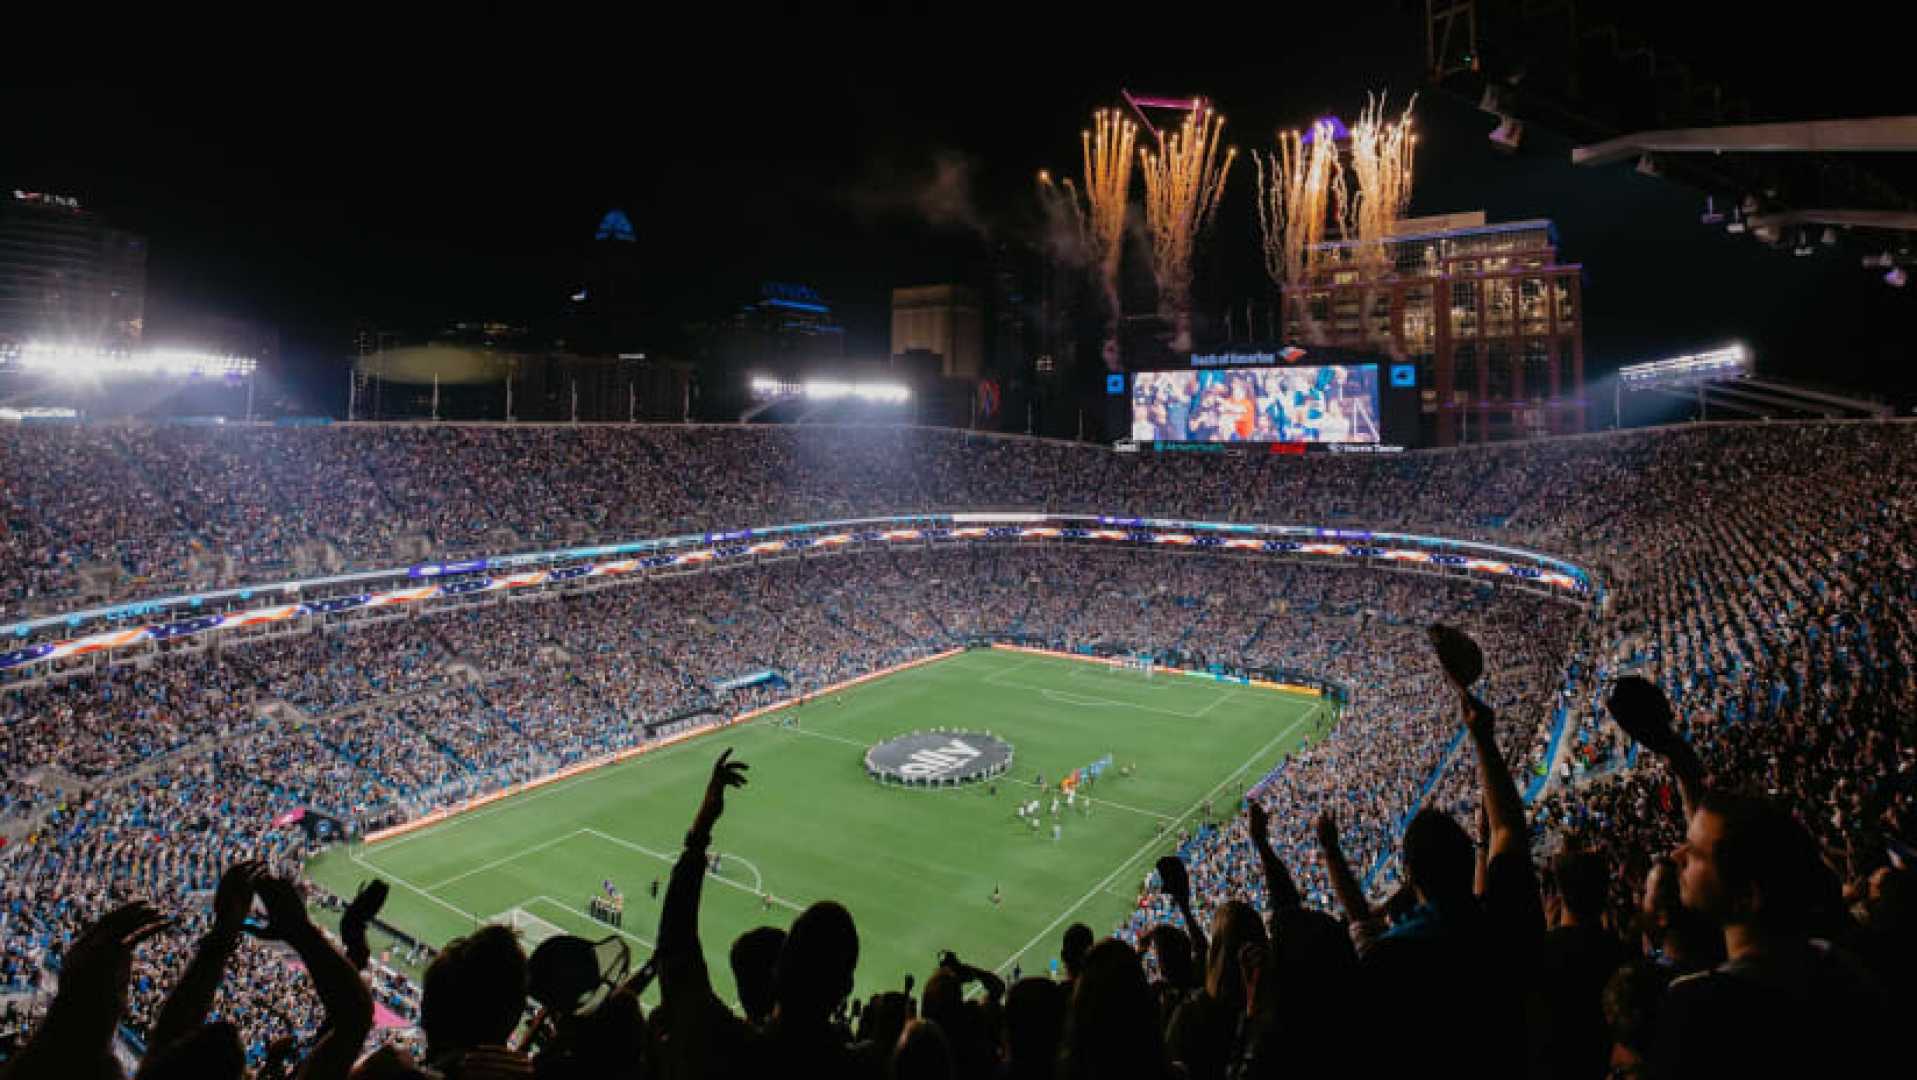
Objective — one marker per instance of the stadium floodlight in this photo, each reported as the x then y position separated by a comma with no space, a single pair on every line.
763,386
831,389
88,361
1732,361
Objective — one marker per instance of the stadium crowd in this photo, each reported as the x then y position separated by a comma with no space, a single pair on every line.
253,504
1762,578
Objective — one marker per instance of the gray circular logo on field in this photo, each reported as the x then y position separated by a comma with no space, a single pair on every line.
939,758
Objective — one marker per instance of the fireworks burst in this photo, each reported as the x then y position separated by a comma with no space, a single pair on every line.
1183,182
1108,184
1301,194
1381,160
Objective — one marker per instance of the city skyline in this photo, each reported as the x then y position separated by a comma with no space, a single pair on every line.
452,200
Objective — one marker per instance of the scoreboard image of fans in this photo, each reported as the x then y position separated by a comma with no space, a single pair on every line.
1287,400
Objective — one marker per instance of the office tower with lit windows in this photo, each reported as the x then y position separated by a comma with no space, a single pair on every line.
1490,316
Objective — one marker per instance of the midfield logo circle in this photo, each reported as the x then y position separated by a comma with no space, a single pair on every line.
938,758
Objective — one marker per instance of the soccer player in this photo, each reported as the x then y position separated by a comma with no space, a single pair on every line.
1055,831
997,897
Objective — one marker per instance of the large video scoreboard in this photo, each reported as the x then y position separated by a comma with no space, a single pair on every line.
1288,400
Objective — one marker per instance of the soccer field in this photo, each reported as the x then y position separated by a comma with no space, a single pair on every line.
916,867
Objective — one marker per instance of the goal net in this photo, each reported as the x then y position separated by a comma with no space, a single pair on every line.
531,928
1142,664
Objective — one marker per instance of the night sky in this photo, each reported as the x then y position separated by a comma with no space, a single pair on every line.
409,185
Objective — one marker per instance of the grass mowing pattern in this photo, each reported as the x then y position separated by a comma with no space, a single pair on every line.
915,867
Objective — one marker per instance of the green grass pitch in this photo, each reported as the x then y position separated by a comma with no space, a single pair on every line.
915,867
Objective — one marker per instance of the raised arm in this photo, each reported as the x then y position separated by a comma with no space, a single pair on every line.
192,997
682,965
687,1006
1640,707
1344,883
1176,881
1503,806
352,925
347,1001
76,1038
1281,892
988,981
1463,663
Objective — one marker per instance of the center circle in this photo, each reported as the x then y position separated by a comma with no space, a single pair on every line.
938,758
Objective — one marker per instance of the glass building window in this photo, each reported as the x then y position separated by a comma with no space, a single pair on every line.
1464,308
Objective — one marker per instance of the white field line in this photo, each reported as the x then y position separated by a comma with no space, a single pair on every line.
1004,671
1132,680
602,773
1068,698
1220,700
1149,845
762,722
834,738
542,897
670,859
436,886
396,879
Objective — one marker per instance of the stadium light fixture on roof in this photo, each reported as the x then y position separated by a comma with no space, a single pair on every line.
830,390
1732,361
87,361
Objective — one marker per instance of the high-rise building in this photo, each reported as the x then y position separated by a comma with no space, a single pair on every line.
609,307
1492,319
66,275
945,320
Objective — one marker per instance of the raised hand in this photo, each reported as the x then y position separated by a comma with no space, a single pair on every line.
1176,881
234,897
726,773
285,910
97,967
1325,828
1463,664
352,925
1641,709
1462,660
1258,819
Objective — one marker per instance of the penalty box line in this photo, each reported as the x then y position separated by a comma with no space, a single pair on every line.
671,859
543,898
1149,845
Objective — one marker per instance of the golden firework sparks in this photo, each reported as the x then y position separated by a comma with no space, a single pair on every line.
1381,160
1108,184
1184,179
1301,194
